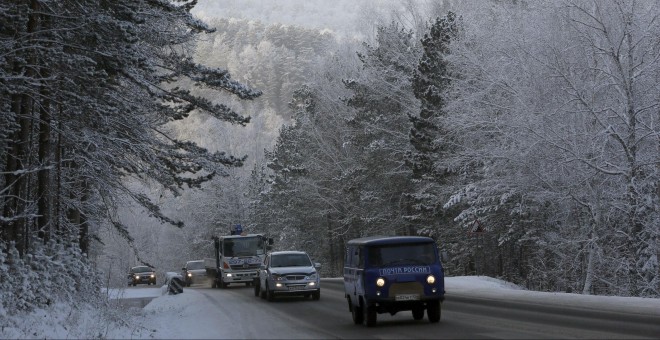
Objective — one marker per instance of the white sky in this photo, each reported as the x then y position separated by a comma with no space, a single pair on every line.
190,315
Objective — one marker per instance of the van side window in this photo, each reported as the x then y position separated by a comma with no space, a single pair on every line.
347,256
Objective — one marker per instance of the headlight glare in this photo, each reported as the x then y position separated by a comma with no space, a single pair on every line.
380,282
430,279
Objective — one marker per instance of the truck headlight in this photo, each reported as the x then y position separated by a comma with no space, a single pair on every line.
430,279
380,282
189,274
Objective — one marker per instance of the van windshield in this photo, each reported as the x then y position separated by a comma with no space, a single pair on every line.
401,254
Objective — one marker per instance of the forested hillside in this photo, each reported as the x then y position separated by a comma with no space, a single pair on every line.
522,135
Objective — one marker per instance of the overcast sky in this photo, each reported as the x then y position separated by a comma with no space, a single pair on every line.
345,17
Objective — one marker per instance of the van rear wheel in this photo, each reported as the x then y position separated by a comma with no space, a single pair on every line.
418,313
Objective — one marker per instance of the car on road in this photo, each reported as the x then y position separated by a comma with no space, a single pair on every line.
288,273
194,272
141,274
389,274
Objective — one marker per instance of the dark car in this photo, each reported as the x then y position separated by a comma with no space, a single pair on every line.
392,274
194,272
141,274
288,273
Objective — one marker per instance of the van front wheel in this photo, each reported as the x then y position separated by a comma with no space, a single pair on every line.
433,310
370,315
356,312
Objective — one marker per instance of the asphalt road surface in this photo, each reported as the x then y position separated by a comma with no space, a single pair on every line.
463,317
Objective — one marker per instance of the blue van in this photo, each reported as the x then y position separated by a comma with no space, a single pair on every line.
389,274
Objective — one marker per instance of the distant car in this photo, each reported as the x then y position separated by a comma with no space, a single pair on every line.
194,272
288,273
141,274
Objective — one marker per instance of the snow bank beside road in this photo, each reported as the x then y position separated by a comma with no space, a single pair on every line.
491,288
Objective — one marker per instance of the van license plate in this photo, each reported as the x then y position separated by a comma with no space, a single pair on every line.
406,297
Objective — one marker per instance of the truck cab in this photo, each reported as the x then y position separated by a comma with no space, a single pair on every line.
238,258
389,274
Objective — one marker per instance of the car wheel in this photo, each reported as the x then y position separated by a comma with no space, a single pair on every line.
316,295
370,315
134,284
433,311
262,293
270,295
418,313
356,312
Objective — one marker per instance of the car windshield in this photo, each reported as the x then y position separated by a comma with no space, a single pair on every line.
243,246
401,254
141,269
290,260
195,265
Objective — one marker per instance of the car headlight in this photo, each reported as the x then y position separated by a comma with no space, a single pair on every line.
311,277
189,274
278,277
153,276
430,279
137,277
380,282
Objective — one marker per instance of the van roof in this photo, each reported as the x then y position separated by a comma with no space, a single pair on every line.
382,240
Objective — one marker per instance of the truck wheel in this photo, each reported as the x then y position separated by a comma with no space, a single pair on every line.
214,284
433,311
356,312
418,313
256,289
223,284
370,316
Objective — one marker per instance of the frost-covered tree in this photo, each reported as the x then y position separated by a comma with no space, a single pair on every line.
559,102
87,92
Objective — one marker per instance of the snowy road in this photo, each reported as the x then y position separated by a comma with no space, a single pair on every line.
235,312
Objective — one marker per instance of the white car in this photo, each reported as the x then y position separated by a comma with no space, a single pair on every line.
288,273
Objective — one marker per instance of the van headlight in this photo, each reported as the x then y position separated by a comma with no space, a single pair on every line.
430,279
380,282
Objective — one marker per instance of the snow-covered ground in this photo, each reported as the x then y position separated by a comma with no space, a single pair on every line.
166,316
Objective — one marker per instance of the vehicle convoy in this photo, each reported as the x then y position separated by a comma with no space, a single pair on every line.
389,274
141,274
194,272
238,257
288,273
